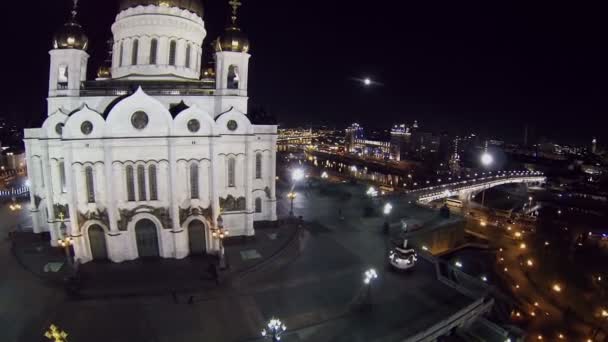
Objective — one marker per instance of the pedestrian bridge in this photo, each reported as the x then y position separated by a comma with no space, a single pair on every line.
464,188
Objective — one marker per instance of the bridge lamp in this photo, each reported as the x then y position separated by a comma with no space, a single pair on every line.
487,159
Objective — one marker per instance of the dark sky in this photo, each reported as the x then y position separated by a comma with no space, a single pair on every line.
460,66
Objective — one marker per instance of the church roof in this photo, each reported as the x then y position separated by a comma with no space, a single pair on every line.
193,6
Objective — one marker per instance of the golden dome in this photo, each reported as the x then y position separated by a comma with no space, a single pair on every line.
233,39
70,36
193,6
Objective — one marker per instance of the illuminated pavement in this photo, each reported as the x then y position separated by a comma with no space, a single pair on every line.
315,294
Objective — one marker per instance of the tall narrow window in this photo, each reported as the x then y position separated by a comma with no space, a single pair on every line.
258,166
62,176
258,205
153,183
172,48
233,77
135,51
231,172
194,181
130,184
141,182
153,50
121,53
90,183
188,51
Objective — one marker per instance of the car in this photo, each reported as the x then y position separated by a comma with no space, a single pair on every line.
402,259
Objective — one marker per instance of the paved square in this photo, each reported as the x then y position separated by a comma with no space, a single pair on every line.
250,254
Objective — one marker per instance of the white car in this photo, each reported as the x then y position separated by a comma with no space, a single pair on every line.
402,259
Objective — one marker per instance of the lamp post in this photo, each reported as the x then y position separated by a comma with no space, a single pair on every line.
486,160
65,241
273,330
296,176
55,334
292,196
368,279
387,211
219,234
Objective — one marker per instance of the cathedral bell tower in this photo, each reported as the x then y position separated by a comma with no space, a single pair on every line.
68,58
232,58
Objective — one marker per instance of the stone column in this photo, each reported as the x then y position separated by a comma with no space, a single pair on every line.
173,196
31,170
249,166
48,191
109,185
215,197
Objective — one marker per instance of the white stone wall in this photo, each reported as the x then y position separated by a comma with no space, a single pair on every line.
165,142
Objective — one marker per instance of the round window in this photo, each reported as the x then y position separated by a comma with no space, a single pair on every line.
86,127
59,128
194,125
232,125
139,120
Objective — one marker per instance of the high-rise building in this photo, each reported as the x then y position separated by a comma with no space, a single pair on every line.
152,155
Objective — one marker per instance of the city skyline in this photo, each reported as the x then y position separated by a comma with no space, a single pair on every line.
473,67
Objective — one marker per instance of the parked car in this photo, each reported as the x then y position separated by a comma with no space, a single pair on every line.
402,259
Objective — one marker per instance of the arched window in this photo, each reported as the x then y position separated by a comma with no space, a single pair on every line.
188,51
258,166
231,172
153,50
135,51
62,176
233,77
90,183
62,76
153,183
141,182
121,53
194,181
258,205
130,184
172,48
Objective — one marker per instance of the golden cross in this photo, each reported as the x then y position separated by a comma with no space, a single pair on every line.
235,7
55,334
61,216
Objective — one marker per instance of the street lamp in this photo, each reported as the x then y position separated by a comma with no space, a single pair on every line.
219,233
368,278
273,330
297,175
55,334
65,241
292,196
387,211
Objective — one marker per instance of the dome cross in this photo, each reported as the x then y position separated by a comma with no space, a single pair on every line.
235,4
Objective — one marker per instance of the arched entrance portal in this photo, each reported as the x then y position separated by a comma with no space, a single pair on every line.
147,239
97,240
196,237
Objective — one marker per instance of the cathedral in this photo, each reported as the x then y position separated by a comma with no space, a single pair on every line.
156,152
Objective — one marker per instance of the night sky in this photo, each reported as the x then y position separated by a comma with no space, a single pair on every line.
458,66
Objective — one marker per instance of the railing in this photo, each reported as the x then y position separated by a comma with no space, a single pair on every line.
14,192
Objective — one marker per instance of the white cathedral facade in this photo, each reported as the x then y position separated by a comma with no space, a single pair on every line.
147,158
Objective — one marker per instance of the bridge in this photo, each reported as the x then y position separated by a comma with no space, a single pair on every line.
465,188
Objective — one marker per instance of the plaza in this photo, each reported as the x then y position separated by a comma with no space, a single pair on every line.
314,283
